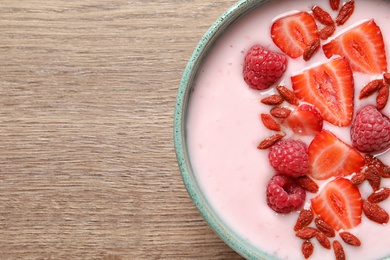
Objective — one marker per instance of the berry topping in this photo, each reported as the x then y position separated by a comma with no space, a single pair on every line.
375,213
329,156
269,141
334,4
371,87
339,204
379,167
289,157
362,46
370,131
305,217
382,97
294,33
322,16
284,195
287,95
262,67
330,88
345,12
305,120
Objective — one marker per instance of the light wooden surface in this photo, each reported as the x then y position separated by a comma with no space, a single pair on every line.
87,162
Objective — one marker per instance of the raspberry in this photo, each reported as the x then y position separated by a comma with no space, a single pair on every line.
289,157
284,195
262,67
370,131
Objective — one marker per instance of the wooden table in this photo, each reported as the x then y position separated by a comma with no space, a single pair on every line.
87,162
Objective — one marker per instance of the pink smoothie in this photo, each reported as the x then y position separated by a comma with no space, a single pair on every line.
224,129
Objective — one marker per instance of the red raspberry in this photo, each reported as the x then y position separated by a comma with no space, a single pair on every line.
289,157
284,195
262,67
370,131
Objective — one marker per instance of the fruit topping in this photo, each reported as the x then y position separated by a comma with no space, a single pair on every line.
270,141
262,67
345,12
375,213
306,232
382,97
307,184
311,49
350,239
322,16
338,250
289,157
358,178
327,31
305,120
381,86
294,33
370,131
284,195
329,156
386,78
370,88
287,95
325,91
362,46
379,195
280,112
323,240
307,249
372,177
324,228
329,87
269,122
334,4
305,217
380,168
272,100
339,204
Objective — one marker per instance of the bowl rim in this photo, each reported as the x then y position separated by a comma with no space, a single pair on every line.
229,17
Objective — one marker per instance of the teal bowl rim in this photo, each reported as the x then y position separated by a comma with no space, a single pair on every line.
234,241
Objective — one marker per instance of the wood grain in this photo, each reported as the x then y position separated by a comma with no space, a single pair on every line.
87,163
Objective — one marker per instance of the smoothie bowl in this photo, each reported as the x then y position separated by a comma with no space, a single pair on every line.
282,131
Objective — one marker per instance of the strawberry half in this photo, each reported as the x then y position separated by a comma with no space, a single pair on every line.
294,33
305,120
329,156
330,88
362,46
339,204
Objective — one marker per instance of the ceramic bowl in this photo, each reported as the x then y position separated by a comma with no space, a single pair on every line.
206,43
187,88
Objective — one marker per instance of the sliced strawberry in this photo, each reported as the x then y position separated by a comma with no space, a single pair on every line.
362,46
329,87
293,33
339,204
305,120
329,156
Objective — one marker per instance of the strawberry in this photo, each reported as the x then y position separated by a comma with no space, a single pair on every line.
328,86
294,33
339,204
362,46
329,156
305,120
